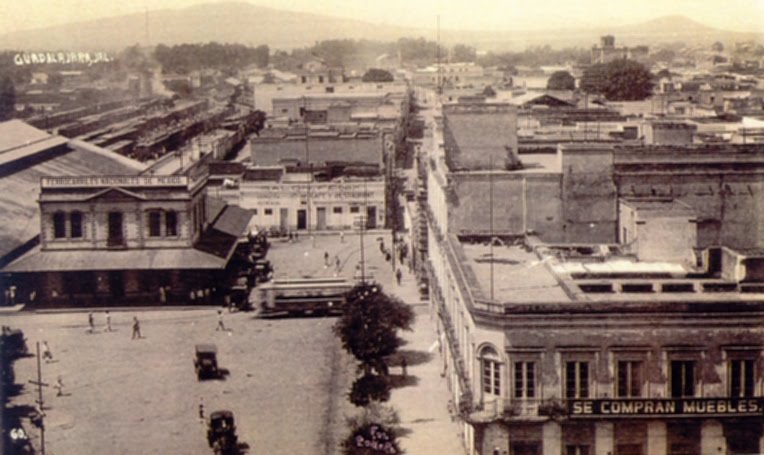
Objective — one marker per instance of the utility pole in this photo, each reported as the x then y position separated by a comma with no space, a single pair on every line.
40,402
363,226
307,161
490,219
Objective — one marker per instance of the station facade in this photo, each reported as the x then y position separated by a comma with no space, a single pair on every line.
107,240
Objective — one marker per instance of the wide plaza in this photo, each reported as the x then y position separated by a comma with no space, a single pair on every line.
287,379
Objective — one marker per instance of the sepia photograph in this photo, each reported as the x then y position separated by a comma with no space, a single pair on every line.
422,227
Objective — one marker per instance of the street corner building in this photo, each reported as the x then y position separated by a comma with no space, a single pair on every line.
596,299
111,236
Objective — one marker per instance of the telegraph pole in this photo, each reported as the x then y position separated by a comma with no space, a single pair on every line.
363,217
40,385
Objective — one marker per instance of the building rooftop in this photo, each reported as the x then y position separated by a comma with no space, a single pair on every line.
518,275
20,190
650,207
570,277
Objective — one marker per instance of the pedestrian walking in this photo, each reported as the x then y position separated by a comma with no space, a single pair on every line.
220,325
404,364
398,276
91,323
342,236
201,410
108,321
337,263
326,259
136,328
382,246
59,386
46,354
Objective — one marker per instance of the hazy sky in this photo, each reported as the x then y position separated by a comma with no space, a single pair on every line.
738,15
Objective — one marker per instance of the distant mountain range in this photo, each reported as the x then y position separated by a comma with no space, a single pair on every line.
254,25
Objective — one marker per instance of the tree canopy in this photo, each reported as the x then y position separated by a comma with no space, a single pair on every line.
561,80
377,75
619,80
463,53
7,98
184,58
369,324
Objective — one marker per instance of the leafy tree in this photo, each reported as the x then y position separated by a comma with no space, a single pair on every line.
489,92
184,58
377,75
133,59
561,80
371,439
369,324
462,53
619,80
7,98
368,388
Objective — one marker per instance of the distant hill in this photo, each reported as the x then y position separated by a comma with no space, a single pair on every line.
254,25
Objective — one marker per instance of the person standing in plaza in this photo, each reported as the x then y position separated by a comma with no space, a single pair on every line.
220,325
136,328
326,259
46,354
398,276
91,323
59,386
342,236
108,321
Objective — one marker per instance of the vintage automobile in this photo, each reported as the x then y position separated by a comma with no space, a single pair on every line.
206,362
12,343
221,433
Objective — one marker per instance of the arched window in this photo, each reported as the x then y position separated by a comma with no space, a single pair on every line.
490,367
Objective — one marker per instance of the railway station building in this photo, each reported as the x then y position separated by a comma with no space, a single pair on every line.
129,239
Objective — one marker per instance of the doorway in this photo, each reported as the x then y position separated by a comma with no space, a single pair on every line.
115,229
320,218
284,219
371,217
116,284
302,219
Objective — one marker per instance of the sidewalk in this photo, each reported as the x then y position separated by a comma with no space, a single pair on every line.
422,403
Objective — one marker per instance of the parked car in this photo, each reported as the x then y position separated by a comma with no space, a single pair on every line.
205,361
221,433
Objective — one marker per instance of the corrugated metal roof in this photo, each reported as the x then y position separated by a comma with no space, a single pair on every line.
19,192
143,259
15,134
233,221
215,207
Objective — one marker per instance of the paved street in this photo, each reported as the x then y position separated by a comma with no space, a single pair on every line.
288,378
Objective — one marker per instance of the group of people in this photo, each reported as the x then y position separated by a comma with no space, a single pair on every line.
107,318
91,322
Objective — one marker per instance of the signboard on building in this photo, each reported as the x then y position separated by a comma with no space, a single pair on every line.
669,407
110,181
317,192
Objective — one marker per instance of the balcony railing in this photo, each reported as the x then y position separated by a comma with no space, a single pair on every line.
498,408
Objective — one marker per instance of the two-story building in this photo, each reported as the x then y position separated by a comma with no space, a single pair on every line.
109,240
601,299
